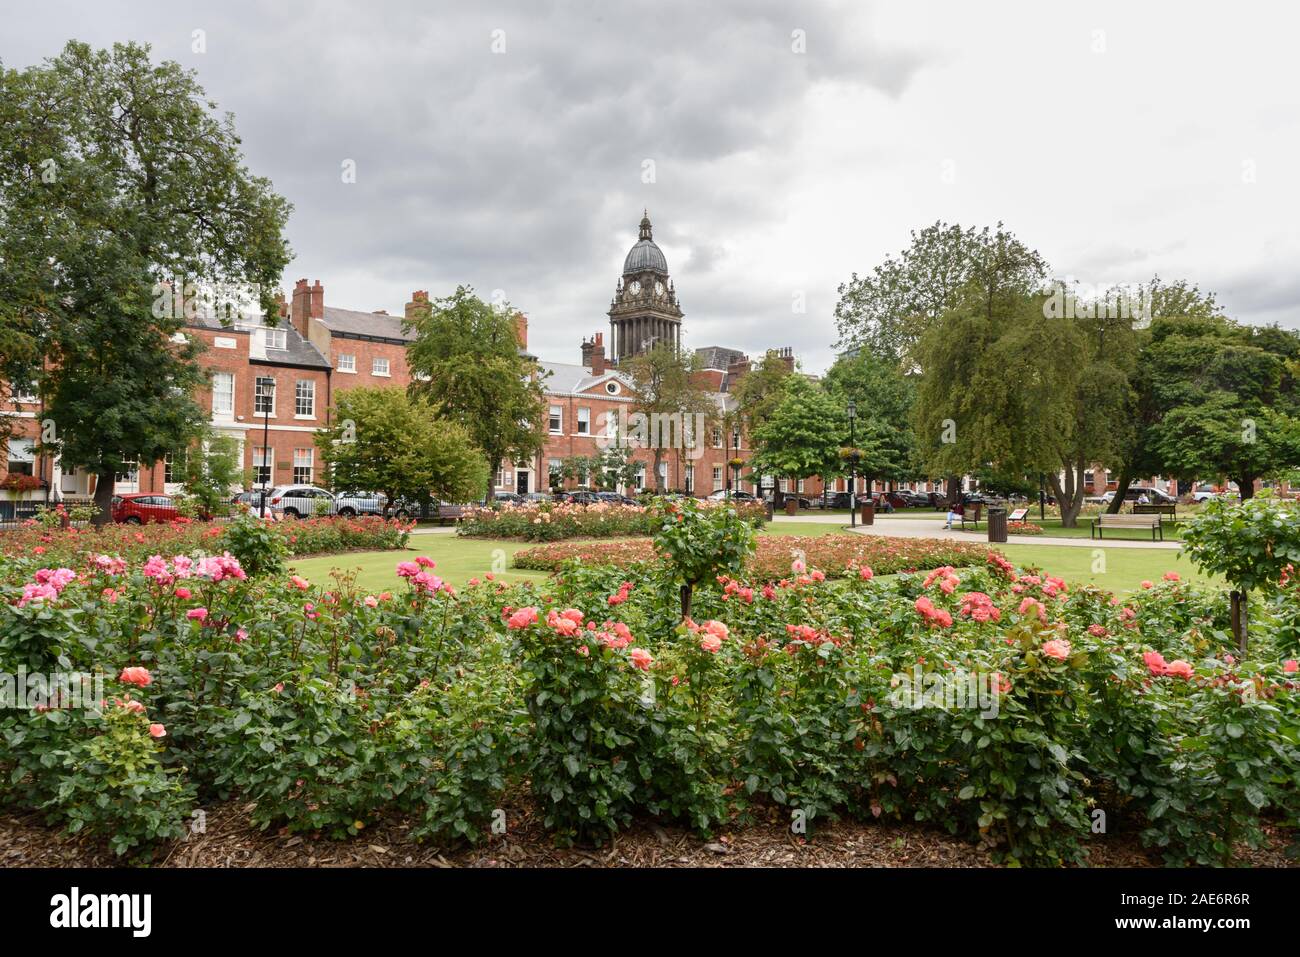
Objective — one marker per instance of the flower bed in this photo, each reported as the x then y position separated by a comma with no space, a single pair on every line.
1024,528
313,536
835,555
553,522
1006,708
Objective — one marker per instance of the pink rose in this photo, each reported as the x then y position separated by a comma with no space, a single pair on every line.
1146,584
711,643
300,583
717,629
1172,577
1291,666
197,614
1057,648
136,676
640,658
183,593
522,618
157,731
1155,662
1179,669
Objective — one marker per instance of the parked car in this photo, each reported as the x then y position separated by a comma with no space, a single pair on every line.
1154,496
141,508
615,498
735,494
350,505
507,498
576,497
251,498
300,501
539,497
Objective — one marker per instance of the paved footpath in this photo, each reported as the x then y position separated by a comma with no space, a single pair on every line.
933,528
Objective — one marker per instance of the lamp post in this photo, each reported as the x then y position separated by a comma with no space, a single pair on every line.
266,447
735,457
853,467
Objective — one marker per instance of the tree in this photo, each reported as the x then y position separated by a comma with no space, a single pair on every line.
382,440
211,471
803,436
888,312
884,399
1221,399
758,391
467,360
115,179
666,395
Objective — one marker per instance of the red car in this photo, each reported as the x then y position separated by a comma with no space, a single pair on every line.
141,508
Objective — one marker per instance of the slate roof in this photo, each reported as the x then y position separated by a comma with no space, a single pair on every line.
297,351
354,324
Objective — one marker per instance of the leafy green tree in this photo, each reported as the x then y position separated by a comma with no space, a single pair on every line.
382,440
885,400
666,393
115,178
1249,543
211,471
758,392
467,360
803,436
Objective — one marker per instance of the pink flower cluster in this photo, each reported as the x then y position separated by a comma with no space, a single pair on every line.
1033,604
567,623
933,615
420,573
47,585
158,569
110,565
621,597
522,618
732,588
220,567
712,634
1157,665
947,578
979,607
1057,648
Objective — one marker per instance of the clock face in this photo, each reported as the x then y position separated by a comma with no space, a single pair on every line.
634,288
659,289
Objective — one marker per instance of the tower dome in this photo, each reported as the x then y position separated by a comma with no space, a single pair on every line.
645,255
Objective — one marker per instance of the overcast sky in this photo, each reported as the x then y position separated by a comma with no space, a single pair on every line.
792,143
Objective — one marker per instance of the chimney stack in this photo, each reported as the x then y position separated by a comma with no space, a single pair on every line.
598,355
521,329
419,299
317,303
300,309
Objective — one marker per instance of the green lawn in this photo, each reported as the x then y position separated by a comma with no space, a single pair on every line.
460,559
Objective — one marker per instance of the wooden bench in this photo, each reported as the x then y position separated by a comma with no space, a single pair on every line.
1156,508
1105,521
973,519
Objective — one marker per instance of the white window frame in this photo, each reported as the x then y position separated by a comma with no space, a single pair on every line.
228,411
556,415
584,421
309,395
259,394
347,363
375,366
277,339
262,459
301,456
717,478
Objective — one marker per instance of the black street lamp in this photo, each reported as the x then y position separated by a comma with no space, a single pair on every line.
735,458
266,450
853,467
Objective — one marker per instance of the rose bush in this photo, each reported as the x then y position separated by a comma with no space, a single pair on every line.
1003,705
555,521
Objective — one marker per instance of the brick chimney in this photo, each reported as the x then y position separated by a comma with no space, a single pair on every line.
317,302
301,307
419,299
521,329
598,355
587,346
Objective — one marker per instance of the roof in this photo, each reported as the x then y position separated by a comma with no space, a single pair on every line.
370,325
566,379
297,351
718,357
645,255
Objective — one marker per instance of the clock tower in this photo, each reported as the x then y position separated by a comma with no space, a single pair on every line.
644,311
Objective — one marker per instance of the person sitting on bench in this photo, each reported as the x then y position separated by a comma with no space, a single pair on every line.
955,512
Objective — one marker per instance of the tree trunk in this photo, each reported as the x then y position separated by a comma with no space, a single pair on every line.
1246,486
687,593
1125,480
954,489
659,478
103,498
1239,619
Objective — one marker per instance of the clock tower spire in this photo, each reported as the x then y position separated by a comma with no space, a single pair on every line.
644,311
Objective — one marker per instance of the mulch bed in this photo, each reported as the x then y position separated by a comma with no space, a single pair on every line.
229,841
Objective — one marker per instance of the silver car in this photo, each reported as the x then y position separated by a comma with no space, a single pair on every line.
300,501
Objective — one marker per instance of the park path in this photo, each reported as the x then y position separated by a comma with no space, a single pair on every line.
933,528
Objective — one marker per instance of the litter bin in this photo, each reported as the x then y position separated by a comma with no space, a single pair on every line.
792,506
767,507
997,524
868,513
